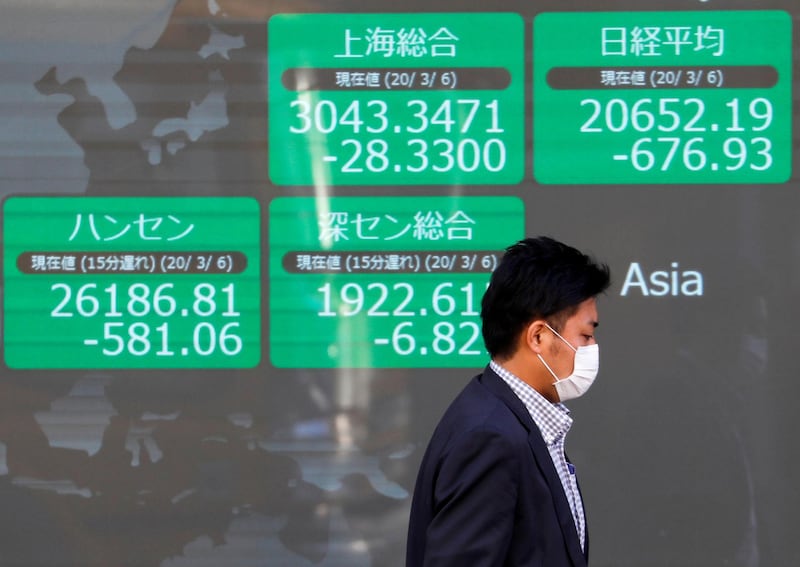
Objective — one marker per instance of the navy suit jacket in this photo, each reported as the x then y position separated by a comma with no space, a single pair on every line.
487,493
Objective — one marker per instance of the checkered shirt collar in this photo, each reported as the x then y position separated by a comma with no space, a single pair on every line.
553,420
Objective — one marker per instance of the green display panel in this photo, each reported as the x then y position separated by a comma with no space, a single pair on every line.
396,99
662,97
95,282
384,282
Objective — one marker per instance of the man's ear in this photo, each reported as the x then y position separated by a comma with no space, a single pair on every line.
534,335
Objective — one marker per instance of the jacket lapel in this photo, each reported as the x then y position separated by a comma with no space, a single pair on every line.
498,387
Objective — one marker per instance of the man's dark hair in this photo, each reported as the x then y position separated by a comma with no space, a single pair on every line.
537,278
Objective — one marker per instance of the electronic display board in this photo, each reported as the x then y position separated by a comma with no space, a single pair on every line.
244,246
389,282
131,282
401,99
663,97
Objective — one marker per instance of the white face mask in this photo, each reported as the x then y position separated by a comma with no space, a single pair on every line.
584,371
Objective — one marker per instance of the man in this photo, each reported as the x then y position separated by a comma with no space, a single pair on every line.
495,487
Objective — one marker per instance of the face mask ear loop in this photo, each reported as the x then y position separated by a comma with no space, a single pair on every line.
560,337
550,370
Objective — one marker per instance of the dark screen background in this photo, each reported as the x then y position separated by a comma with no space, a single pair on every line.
685,446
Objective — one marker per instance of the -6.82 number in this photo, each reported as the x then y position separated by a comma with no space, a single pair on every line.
448,338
